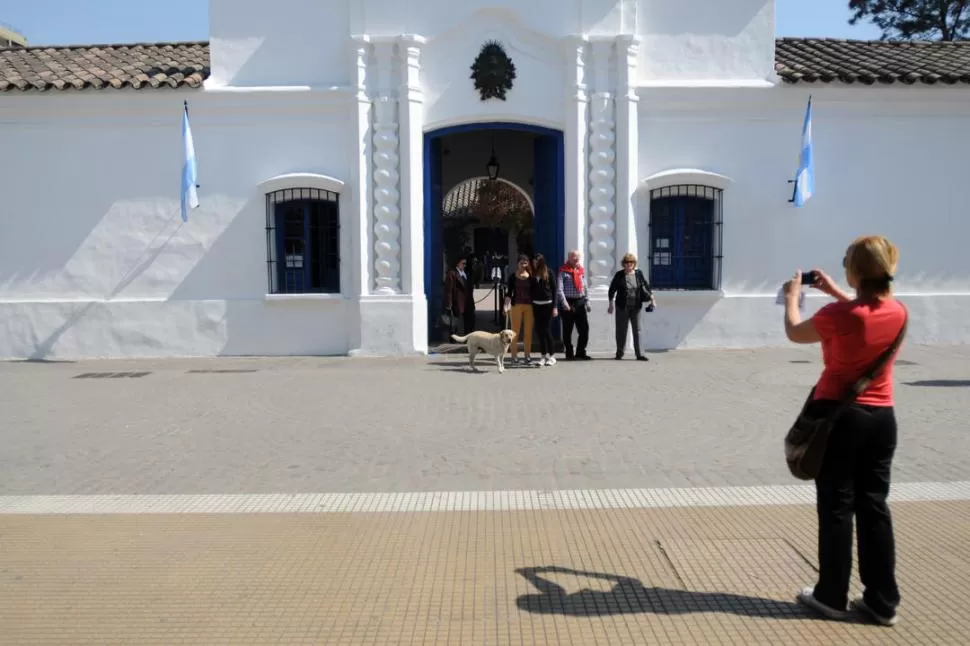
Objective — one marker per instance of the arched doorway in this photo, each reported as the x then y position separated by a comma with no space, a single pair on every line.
490,220
524,177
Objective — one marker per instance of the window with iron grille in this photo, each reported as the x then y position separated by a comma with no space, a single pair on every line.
685,237
303,241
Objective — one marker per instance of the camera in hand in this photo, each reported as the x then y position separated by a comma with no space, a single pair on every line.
809,277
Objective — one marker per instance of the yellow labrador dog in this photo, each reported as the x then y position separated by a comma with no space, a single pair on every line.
493,343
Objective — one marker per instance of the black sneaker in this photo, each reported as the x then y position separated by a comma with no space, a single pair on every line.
583,357
619,356
642,358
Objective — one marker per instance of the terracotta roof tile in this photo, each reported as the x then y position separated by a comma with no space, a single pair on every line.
159,65
177,65
870,62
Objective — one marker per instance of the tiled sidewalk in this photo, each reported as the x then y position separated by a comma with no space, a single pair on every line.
697,575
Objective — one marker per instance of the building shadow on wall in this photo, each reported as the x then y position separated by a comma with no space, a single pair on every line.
631,596
43,348
226,283
667,327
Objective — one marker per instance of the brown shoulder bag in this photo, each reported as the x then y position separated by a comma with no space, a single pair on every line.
806,440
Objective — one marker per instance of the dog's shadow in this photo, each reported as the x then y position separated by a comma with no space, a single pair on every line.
459,366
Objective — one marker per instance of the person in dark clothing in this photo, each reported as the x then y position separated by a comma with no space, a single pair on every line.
855,473
518,307
544,307
573,297
459,298
632,291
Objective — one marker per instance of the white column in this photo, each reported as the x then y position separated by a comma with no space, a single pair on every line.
360,195
575,146
602,173
627,146
387,212
412,165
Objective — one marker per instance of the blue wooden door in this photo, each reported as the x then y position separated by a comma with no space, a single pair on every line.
433,268
549,196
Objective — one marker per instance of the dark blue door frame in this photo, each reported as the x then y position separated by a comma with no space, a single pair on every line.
549,198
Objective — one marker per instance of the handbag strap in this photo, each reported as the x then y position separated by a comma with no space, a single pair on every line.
863,382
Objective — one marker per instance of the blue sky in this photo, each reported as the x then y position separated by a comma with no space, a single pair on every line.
65,22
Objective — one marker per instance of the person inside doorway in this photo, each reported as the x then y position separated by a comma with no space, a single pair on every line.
518,306
459,299
573,300
632,292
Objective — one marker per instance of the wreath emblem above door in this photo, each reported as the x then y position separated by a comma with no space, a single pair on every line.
493,72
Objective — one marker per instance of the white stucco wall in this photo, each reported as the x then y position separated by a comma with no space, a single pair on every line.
685,41
887,161
303,42
279,43
95,259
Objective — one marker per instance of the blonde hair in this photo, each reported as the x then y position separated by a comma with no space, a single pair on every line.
628,258
872,261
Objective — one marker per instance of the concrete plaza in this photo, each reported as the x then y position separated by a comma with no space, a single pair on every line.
409,501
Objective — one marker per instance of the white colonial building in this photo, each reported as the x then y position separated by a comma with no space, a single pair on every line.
330,132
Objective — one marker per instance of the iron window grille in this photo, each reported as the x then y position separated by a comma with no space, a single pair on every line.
303,241
686,237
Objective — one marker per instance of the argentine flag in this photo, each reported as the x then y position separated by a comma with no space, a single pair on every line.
190,195
805,179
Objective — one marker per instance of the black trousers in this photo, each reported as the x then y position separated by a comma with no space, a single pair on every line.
543,317
854,481
469,318
627,317
576,316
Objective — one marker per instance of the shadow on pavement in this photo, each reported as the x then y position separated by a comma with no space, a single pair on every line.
940,383
630,596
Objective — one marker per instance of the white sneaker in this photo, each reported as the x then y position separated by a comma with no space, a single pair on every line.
807,598
550,361
860,606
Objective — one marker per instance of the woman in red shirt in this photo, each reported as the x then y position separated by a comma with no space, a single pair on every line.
855,474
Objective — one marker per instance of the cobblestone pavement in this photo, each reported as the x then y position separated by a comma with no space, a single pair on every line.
684,419
93,551
589,577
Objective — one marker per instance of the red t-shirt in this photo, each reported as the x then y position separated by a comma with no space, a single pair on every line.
854,334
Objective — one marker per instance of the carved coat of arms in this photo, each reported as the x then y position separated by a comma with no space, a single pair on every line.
493,72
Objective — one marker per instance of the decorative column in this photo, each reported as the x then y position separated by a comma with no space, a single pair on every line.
362,282
387,229
627,145
411,111
577,105
602,174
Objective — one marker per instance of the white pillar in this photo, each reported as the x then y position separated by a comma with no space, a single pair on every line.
602,172
627,146
575,146
387,211
393,316
360,194
411,105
